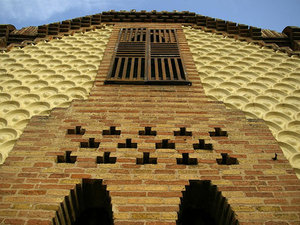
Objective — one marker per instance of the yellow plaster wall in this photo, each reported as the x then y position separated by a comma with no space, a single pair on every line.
261,82
38,78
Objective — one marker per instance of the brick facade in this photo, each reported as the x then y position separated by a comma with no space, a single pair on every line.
260,190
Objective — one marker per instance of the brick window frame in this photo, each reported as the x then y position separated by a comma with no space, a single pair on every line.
147,56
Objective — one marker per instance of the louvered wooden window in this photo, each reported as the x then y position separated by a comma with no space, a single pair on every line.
147,56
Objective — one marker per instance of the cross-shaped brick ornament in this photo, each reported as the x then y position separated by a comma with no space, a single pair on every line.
67,158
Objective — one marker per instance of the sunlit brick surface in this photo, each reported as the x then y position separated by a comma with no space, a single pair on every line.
34,183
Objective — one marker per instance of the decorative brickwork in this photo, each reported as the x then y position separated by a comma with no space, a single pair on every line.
286,41
262,83
35,79
260,190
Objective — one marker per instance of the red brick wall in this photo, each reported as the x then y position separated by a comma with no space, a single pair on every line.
259,189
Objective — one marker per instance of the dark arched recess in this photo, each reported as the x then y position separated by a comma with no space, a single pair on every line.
88,204
203,204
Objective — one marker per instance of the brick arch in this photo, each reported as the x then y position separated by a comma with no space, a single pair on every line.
88,203
202,203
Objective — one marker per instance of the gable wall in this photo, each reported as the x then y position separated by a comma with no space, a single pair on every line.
259,189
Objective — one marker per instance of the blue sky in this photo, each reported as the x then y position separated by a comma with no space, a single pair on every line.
266,14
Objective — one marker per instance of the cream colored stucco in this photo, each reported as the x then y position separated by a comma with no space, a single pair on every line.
38,78
259,81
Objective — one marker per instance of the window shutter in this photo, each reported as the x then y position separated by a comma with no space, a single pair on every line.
147,56
129,61
166,65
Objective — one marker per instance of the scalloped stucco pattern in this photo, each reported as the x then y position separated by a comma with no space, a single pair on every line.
259,81
38,78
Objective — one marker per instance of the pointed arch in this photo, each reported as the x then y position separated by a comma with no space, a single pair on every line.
202,203
89,203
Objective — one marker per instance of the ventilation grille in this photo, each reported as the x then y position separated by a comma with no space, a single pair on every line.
163,36
164,50
128,69
167,69
131,49
133,34
147,56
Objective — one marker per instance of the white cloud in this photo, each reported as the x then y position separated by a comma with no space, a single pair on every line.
33,9
40,10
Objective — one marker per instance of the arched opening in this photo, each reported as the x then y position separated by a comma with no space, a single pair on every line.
203,204
88,204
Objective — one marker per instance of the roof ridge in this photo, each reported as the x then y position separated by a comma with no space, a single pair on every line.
288,41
